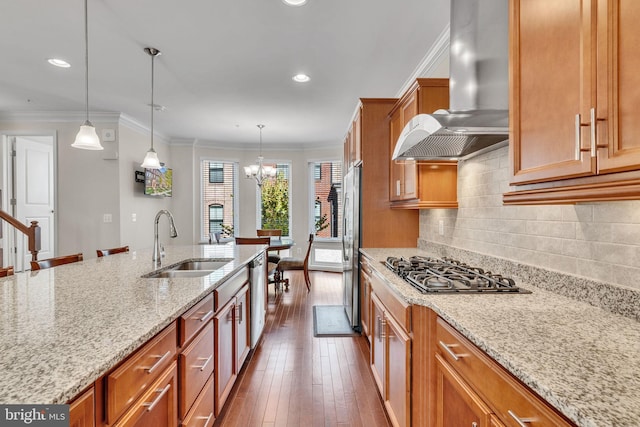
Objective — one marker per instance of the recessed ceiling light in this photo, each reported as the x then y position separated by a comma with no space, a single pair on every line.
294,2
58,62
301,78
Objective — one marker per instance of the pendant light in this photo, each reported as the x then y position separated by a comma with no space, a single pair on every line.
259,171
151,159
87,138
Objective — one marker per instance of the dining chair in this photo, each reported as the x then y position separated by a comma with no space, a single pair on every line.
6,271
272,256
112,251
54,262
290,263
272,273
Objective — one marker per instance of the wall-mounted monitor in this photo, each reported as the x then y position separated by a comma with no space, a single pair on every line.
158,182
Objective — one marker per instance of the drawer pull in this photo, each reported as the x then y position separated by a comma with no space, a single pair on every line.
240,312
447,348
522,422
206,362
162,392
158,363
474,424
206,423
206,316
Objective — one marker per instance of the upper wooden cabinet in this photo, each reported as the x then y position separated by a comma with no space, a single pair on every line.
574,100
421,184
381,227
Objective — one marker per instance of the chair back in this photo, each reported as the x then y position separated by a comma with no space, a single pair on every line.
253,240
306,257
54,262
104,252
275,232
6,271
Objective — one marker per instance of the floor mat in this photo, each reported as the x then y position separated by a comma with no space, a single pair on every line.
331,321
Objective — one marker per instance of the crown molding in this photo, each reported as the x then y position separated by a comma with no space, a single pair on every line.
431,59
129,122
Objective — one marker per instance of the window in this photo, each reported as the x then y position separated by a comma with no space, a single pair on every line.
218,203
216,173
216,218
327,196
274,200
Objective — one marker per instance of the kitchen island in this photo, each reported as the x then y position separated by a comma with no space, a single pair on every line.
581,359
64,327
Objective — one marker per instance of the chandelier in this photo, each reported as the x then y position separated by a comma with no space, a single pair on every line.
259,171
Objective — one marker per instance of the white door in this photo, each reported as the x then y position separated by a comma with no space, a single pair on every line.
34,194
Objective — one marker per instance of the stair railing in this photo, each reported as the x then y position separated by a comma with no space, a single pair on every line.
32,232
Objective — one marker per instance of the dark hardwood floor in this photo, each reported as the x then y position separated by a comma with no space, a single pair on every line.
296,379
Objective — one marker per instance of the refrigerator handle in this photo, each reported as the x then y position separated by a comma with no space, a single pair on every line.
345,255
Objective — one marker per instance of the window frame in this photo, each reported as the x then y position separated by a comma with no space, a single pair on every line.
204,236
289,164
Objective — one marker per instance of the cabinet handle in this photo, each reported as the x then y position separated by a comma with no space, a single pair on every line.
474,424
447,348
162,392
594,135
383,327
522,422
239,313
206,423
578,132
158,363
206,362
379,321
206,316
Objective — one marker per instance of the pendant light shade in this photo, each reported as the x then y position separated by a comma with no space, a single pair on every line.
151,160
87,138
259,171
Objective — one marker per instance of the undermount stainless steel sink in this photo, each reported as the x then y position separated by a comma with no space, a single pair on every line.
190,268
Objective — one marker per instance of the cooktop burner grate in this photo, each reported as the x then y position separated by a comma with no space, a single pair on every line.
446,275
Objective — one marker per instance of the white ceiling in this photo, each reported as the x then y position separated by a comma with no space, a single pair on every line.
226,65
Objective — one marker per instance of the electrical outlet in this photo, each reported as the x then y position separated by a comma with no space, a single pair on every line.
134,217
106,218
441,227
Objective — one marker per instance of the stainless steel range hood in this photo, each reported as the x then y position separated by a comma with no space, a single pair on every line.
479,88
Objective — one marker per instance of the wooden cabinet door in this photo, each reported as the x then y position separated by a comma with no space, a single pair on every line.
552,89
365,301
399,374
195,366
396,171
356,141
243,328
378,346
225,354
158,406
82,410
409,110
456,403
618,86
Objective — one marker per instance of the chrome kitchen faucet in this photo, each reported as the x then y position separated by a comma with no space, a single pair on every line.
158,250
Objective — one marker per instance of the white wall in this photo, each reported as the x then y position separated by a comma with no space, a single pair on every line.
599,241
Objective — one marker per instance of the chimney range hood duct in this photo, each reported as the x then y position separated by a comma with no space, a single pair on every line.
479,88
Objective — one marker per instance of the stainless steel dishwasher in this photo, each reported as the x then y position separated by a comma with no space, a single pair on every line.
258,297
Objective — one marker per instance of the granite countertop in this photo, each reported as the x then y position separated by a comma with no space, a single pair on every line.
62,328
583,360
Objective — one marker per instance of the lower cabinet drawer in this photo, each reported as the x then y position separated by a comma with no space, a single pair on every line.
513,403
201,415
138,372
195,367
158,406
195,319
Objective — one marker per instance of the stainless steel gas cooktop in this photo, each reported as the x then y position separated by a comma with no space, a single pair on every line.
446,275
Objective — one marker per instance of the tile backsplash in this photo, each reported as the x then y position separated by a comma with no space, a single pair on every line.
598,241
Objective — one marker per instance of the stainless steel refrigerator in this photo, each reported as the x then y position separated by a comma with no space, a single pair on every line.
351,245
